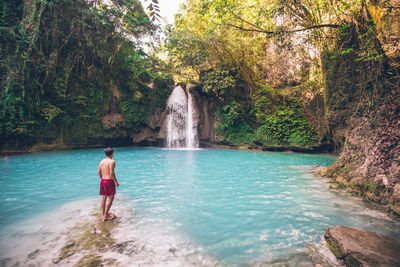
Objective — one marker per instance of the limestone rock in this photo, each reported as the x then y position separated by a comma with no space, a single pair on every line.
205,116
145,135
396,193
156,120
112,120
363,248
370,160
386,16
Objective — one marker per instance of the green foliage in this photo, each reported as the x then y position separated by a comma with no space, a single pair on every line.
283,125
232,115
264,102
64,65
279,121
341,185
232,127
371,186
355,69
154,10
219,83
135,113
163,85
50,112
287,125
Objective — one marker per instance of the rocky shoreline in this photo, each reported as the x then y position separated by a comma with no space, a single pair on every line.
367,191
358,247
94,244
42,147
311,150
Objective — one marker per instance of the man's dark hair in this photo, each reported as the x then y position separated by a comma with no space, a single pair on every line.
108,151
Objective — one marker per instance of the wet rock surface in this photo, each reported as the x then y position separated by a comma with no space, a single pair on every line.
89,239
358,247
127,247
205,117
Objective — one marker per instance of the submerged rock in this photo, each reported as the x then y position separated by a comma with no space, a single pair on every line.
67,251
363,248
127,247
33,254
91,260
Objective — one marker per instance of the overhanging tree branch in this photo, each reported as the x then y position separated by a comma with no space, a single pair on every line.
247,22
271,33
244,29
335,26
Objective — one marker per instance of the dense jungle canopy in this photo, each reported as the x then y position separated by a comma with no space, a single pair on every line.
66,64
275,71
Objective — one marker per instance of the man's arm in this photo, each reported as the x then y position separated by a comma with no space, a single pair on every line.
113,173
99,172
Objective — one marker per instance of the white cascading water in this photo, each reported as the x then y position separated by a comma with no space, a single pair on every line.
181,131
191,136
176,118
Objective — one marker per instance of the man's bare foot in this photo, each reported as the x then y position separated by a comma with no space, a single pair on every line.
111,216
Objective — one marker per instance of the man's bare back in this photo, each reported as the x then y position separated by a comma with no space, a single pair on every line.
106,169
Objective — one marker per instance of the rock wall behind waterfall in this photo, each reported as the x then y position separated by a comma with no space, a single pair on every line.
204,116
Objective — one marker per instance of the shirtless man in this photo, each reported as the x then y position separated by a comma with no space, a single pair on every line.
108,183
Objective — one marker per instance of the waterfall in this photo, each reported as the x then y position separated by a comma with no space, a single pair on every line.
191,137
176,118
181,127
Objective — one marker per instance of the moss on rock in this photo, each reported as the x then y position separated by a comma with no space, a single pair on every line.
91,260
88,239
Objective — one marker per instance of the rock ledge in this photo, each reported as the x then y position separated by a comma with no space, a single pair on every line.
363,248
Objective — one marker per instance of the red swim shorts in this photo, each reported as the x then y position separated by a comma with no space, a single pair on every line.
107,187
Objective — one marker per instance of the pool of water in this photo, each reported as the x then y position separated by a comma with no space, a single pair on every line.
236,207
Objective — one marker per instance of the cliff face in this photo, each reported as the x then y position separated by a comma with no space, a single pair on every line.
205,116
369,164
363,101
386,16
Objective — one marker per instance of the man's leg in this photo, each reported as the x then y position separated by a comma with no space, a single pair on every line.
108,206
103,206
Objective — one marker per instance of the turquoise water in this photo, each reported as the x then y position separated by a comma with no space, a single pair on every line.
238,206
